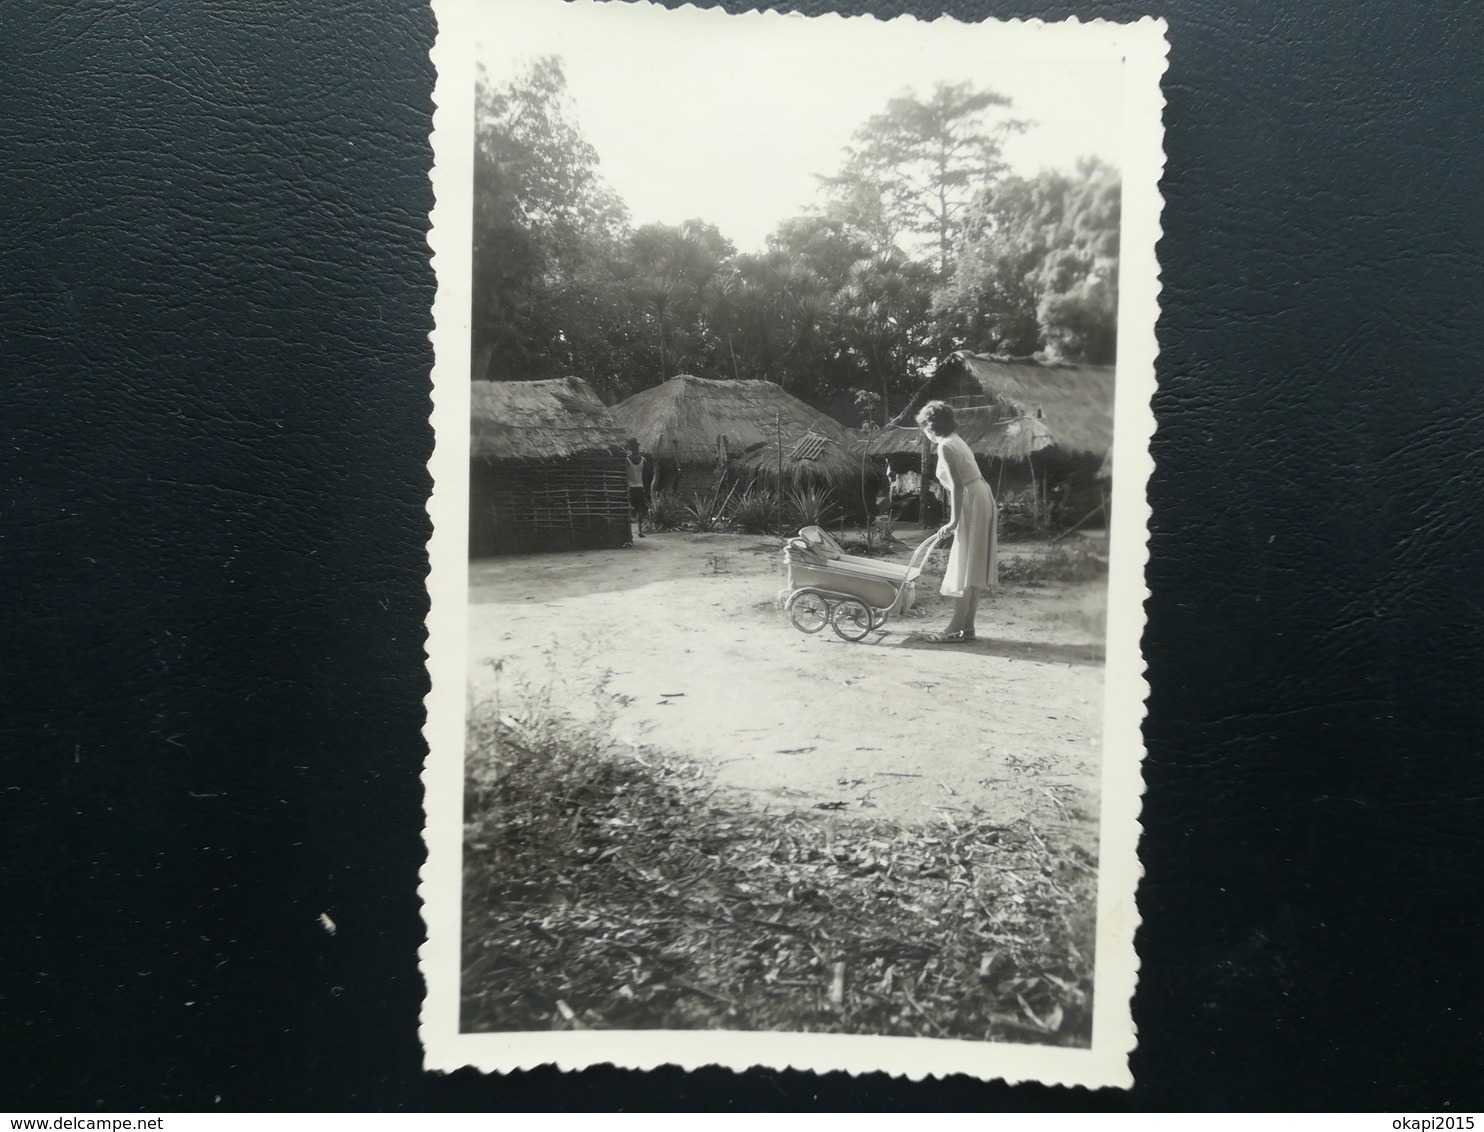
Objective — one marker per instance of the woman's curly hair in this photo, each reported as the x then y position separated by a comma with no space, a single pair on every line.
937,417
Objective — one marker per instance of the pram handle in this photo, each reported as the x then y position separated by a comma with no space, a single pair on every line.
920,555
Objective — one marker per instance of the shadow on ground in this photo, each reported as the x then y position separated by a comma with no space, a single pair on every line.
1045,652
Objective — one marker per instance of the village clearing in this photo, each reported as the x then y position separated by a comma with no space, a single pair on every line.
778,830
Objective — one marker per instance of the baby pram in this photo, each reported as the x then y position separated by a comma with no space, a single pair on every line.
853,595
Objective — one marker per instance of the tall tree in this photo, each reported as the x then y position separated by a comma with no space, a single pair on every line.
881,316
1039,268
677,275
912,170
544,226
775,311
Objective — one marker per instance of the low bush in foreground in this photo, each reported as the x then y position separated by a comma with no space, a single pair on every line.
604,889
1060,564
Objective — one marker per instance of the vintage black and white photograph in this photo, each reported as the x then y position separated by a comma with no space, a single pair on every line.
792,411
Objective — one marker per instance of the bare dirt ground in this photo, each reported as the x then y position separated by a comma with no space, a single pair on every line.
679,644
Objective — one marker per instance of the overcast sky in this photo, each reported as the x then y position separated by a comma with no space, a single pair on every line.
696,114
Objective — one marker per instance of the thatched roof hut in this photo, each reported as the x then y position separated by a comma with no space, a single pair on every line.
1046,427
683,419
546,468
1071,404
810,458
539,420
735,427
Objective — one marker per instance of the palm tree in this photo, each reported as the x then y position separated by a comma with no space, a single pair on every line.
778,305
880,313
677,272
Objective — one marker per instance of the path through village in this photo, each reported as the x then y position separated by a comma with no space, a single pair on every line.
679,645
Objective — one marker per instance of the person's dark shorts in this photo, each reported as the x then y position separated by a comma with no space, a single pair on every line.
639,499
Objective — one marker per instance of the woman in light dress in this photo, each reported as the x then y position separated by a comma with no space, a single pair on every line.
973,520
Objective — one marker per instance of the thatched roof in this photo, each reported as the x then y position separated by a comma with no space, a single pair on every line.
988,431
684,418
539,420
1072,402
803,459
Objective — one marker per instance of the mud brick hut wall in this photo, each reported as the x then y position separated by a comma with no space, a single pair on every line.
546,469
1027,421
681,423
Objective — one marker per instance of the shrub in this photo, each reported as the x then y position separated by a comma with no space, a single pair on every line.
1021,516
755,512
1058,564
810,506
666,512
707,511
1028,514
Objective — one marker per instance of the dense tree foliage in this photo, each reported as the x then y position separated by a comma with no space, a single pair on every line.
674,276
920,245
545,227
1039,267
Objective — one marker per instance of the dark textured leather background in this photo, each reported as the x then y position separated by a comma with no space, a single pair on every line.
212,448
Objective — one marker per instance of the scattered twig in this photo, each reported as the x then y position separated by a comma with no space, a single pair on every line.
926,1017
705,990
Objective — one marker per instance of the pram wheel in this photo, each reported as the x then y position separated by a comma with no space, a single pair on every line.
808,612
852,619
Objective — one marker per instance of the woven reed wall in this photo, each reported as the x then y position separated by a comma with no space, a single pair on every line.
577,503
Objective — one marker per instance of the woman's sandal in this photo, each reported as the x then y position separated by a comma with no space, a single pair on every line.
962,636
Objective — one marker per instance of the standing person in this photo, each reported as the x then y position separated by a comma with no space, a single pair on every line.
973,520
638,495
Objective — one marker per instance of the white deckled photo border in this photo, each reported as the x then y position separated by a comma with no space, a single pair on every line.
1142,48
